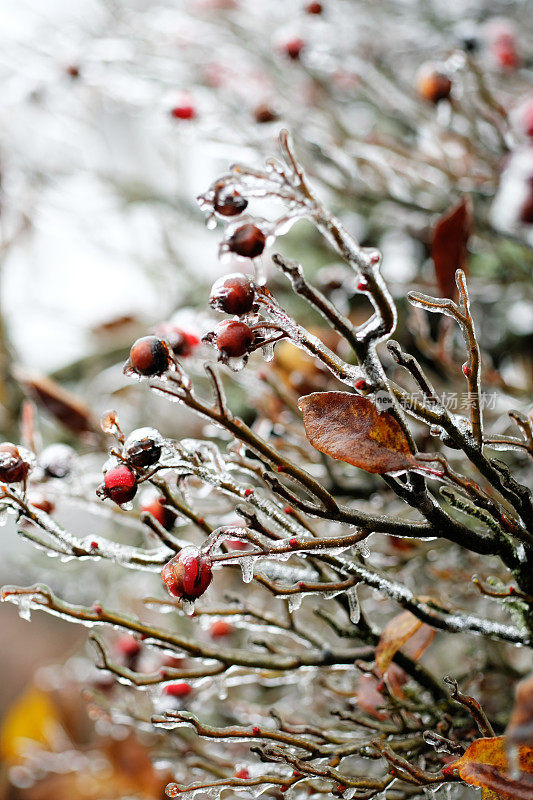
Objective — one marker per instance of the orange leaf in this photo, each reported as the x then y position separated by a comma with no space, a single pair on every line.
395,634
448,245
350,428
485,764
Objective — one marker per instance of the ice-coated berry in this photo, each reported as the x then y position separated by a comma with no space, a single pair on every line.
13,467
432,84
233,294
247,241
188,574
228,203
149,356
120,485
143,447
162,513
233,338
293,48
57,460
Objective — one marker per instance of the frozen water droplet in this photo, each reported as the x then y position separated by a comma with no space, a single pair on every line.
237,363
354,606
211,222
24,607
172,790
268,352
259,270
363,548
187,606
295,601
247,567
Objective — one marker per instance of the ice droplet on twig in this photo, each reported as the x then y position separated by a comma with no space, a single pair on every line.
247,567
353,604
172,790
295,601
187,606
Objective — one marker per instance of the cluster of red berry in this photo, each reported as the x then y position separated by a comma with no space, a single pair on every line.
142,450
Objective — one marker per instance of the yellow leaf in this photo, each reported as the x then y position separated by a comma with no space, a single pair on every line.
32,717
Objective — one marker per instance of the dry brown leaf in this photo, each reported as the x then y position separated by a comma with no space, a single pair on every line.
485,764
66,407
449,245
349,427
398,631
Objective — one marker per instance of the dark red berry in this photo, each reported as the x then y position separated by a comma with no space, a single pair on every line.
183,111
248,241
219,628
188,574
233,338
433,85
314,8
233,294
293,48
181,342
162,513
13,468
120,485
143,447
149,356
264,113
177,689
73,71
229,204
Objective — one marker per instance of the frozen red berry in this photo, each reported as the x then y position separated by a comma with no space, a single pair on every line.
228,203
293,48
243,774
233,338
143,447
181,342
128,646
177,689
183,110
149,356
247,241
13,467
161,512
432,84
220,628
120,485
233,294
188,574
314,8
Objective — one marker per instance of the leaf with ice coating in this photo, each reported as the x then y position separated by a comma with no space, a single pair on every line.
349,427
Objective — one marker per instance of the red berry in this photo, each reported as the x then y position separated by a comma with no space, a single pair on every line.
177,689
233,294
120,485
149,356
229,204
219,628
264,113
183,111
314,8
162,513
181,342
143,447
233,338
243,774
432,84
13,468
128,646
293,48
361,384
73,71
188,574
247,241
94,545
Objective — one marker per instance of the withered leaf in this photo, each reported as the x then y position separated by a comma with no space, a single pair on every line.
449,245
485,764
66,407
349,427
398,632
